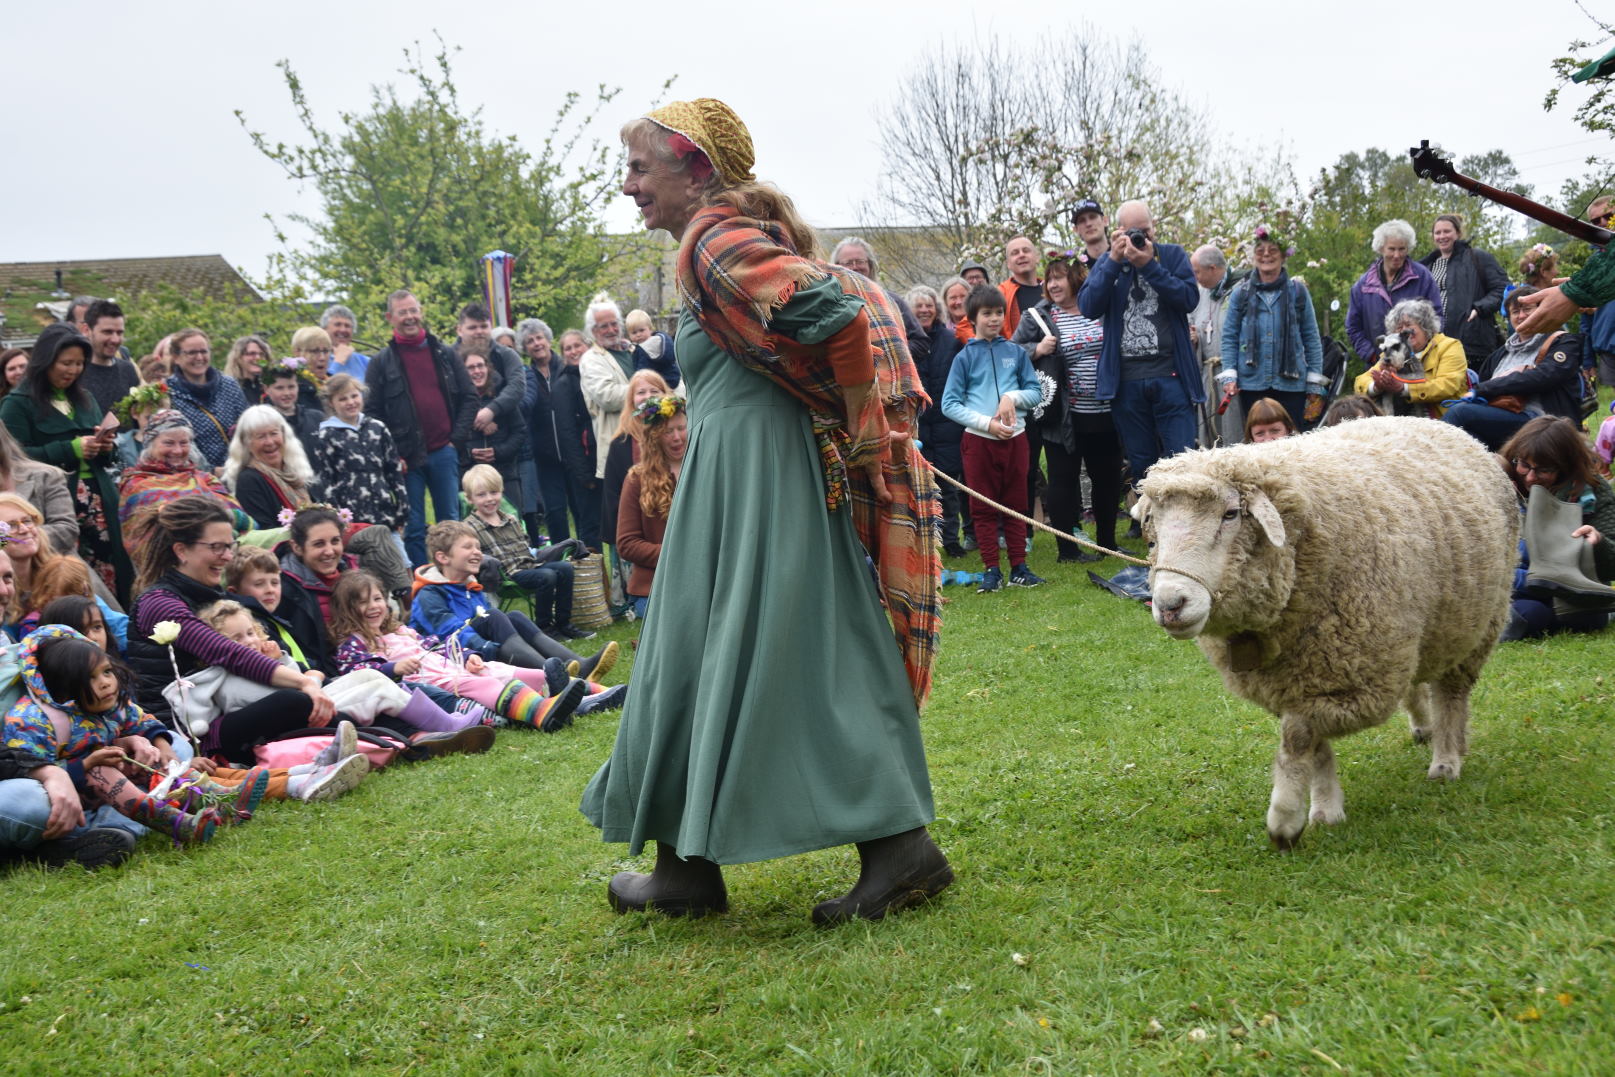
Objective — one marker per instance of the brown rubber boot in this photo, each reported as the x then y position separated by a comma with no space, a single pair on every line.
896,873
677,887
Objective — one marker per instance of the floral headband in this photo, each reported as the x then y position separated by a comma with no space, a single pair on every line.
151,395
1069,254
294,365
1265,234
1542,253
659,409
286,516
5,534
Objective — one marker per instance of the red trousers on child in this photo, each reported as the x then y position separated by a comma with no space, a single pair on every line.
998,469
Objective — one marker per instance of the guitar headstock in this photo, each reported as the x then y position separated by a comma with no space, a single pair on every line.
1427,164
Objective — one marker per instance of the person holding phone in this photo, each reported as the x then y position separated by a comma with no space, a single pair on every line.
57,422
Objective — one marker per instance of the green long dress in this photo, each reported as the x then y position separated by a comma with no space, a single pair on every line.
770,713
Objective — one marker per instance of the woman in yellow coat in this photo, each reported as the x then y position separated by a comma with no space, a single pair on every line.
1446,370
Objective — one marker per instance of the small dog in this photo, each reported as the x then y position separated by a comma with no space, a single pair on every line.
1398,358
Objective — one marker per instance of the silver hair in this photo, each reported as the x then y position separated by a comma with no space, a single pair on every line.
1211,257
857,241
949,283
1418,311
294,466
502,331
528,328
337,310
1393,228
598,303
930,293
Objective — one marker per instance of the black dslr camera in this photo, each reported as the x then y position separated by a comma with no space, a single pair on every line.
1137,237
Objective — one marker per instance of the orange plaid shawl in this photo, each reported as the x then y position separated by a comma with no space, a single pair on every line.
734,272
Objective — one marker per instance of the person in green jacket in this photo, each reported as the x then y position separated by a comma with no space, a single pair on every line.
57,422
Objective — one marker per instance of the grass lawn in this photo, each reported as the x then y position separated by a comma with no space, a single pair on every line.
1101,797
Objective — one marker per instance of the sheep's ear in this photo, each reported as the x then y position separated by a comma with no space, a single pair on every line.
1141,508
1259,506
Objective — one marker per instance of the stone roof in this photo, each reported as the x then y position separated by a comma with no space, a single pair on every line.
28,289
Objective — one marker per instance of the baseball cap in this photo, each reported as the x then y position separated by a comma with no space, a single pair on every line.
1085,205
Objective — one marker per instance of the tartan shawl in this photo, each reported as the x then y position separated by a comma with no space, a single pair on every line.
734,272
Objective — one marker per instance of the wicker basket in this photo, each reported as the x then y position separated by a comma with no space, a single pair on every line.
589,609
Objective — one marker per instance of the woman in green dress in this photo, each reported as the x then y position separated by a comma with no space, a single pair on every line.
773,710
56,421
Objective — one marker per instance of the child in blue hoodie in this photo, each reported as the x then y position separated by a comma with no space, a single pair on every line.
990,388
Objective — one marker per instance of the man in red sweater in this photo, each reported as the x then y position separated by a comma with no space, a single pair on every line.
419,389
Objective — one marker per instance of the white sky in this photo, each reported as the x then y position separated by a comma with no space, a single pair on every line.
124,143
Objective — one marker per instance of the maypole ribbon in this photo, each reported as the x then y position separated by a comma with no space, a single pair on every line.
497,269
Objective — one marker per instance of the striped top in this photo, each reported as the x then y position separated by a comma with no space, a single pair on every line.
1080,341
200,640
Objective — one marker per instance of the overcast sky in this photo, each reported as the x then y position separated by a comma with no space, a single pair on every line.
125,143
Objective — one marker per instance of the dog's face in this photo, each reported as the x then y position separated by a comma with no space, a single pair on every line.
1394,351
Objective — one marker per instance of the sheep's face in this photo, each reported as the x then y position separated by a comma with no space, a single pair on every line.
1196,549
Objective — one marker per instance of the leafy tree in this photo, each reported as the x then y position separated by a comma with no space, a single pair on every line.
416,190
1338,215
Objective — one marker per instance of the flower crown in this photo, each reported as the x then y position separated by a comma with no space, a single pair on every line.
5,534
1543,253
153,395
1266,234
294,365
1069,254
659,409
286,516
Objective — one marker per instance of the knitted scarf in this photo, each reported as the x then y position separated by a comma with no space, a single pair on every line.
734,272
1289,363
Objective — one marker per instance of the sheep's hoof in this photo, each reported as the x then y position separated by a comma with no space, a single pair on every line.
1444,772
1420,735
1284,843
1329,816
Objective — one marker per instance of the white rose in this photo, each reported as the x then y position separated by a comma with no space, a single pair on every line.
164,632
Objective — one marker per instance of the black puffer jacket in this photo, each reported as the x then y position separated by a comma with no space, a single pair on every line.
1475,282
1554,379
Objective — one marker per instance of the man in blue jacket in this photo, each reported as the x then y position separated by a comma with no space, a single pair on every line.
1144,292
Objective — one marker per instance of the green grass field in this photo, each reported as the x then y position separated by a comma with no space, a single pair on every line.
1101,797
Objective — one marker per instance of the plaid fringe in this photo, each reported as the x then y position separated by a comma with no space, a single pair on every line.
734,272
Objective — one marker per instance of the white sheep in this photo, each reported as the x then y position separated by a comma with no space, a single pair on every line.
1331,577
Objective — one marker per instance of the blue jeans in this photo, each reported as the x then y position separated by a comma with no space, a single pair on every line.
639,604
24,810
1155,419
1488,425
441,474
551,588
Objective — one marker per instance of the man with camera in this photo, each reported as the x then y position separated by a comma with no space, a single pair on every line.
1144,291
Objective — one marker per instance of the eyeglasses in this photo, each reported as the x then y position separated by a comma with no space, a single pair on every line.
24,524
1602,219
318,351
1531,469
216,548
193,353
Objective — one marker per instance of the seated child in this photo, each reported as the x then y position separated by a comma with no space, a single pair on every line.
989,390
371,637
547,576
310,781
71,576
449,603
77,713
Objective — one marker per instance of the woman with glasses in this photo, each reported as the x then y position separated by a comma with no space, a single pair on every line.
57,422
312,345
210,401
1528,376
181,569
1566,550
28,543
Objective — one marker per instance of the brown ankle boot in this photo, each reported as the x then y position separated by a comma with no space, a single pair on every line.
896,873
677,887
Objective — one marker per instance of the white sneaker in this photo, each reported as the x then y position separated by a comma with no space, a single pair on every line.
332,781
344,743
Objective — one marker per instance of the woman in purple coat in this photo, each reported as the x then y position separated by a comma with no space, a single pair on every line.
1392,278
